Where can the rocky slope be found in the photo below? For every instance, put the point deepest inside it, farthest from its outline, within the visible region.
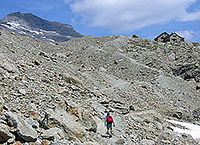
(31, 25)
(58, 93)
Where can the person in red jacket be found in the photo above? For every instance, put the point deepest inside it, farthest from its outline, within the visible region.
(108, 122)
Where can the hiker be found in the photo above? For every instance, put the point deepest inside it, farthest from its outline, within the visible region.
(108, 122)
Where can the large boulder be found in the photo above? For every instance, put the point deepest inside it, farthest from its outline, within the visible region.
(24, 129)
(73, 130)
(89, 122)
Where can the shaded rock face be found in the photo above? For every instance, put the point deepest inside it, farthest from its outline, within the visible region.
(60, 94)
(31, 25)
(189, 71)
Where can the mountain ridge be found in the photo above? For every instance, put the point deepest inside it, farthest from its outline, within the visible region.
(31, 25)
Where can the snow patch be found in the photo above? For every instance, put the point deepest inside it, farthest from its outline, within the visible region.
(21, 32)
(9, 27)
(50, 32)
(51, 40)
(32, 31)
(70, 37)
(193, 130)
(13, 24)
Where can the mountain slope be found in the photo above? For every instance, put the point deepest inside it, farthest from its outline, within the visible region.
(60, 92)
(31, 25)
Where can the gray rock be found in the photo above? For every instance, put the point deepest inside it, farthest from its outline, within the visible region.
(172, 57)
(44, 54)
(22, 91)
(196, 114)
(132, 108)
(5, 135)
(8, 66)
(198, 86)
(53, 134)
(147, 142)
(11, 141)
(24, 130)
(71, 79)
(33, 123)
(105, 101)
(89, 122)
(36, 62)
(61, 55)
(178, 115)
(3, 121)
(64, 121)
(120, 141)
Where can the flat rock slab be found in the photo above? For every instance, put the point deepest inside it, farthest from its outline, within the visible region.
(24, 130)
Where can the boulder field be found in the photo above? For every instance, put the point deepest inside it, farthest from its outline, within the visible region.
(58, 93)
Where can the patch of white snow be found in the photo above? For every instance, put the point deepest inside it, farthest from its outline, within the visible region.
(32, 31)
(13, 24)
(193, 130)
(9, 27)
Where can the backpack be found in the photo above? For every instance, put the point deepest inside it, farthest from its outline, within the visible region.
(109, 119)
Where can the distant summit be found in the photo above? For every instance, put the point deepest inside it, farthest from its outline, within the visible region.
(31, 25)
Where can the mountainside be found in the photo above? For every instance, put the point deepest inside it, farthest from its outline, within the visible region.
(31, 25)
(58, 94)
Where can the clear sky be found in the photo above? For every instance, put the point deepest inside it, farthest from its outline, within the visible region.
(145, 18)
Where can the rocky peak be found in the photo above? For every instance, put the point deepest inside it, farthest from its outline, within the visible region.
(31, 25)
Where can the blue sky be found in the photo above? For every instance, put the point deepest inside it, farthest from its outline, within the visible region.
(146, 18)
